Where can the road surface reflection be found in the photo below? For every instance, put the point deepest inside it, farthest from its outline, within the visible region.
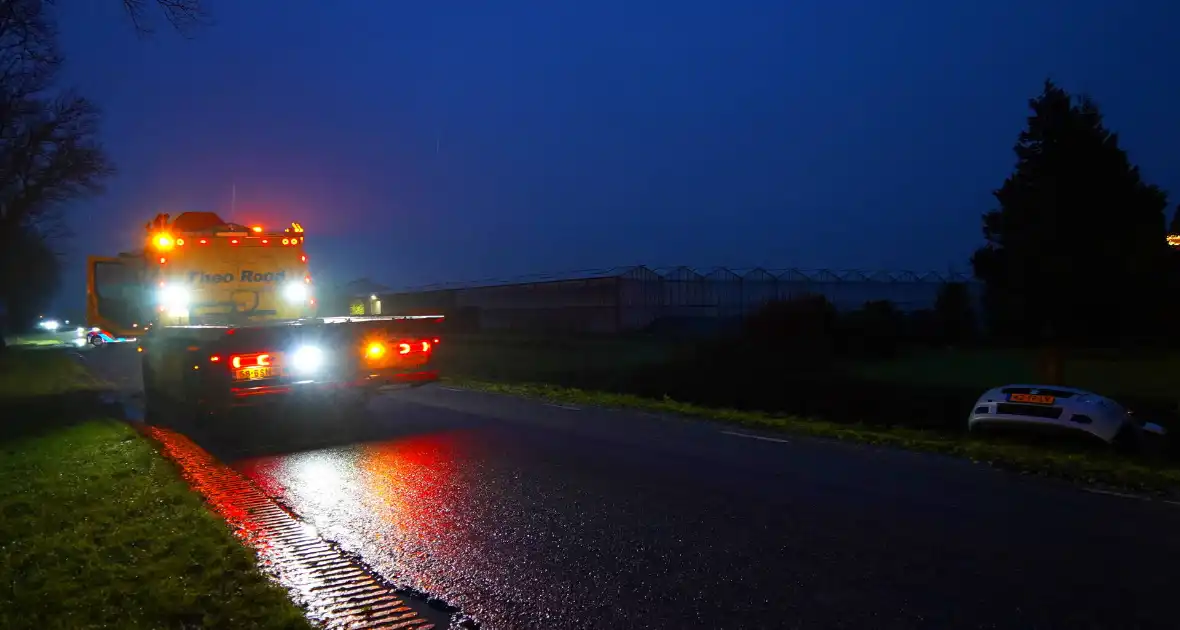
(396, 503)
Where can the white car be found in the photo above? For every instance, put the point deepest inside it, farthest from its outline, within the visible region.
(1055, 408)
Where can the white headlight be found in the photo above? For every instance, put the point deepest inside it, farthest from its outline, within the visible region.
(307, 359)
(295, 292)
(50, 325)
(174, 297)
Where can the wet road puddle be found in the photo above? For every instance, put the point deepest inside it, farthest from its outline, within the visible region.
(336, 589)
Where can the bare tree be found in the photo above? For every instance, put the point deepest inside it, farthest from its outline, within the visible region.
(49, 151)
(49, 155)
(185, 16)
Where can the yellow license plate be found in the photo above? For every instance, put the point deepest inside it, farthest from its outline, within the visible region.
(253, 373)
(1033, 399)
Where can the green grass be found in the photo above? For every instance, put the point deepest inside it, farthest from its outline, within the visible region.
(1145, 376)
(98, 530)
(1078, 464)
(32, 374)
(532, 358)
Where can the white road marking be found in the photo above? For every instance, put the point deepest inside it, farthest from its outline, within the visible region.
(452, 389)
(757, 437)
(1117, 494)
(569, 407)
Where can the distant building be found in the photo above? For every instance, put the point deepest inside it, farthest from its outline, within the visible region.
(636, 298)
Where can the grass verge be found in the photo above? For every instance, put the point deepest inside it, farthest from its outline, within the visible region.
(99, 530)
(1080, 465)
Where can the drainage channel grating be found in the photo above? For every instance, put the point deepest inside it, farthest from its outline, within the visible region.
(336, 590)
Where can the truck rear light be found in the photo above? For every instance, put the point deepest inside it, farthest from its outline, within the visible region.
(303, 258)
(375, 350)
(233, 241)
(411, 346)
(180, 241)
(215, 358)
(163, 260)
(286, 241)
(260, 359)
(203, 241)
(265, 241)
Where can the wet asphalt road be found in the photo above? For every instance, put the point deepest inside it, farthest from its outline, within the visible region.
(526, 515)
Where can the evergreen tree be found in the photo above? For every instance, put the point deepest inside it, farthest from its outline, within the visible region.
(1076, 250)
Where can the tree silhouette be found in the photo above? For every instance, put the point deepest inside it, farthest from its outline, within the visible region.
(1076, 250)
(185, 16)
(49, 152)
(955, 313)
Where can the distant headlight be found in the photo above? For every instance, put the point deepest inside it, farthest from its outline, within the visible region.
(295, 292)
(307, 359)
(50, 324)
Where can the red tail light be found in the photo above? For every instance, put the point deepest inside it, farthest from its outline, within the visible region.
(414, 346)
(260, 359)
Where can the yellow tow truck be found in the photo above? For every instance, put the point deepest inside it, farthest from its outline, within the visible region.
(225, 316)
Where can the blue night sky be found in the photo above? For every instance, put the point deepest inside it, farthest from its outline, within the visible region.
(432, 141)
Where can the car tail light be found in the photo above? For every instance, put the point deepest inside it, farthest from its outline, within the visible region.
(260, 359)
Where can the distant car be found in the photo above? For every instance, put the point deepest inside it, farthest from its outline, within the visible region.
(97, 337)
(1053, 408)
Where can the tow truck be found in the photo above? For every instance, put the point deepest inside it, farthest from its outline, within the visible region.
(225, 317)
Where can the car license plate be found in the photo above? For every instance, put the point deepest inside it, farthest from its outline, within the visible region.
(1032, 399)
(253, 373)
